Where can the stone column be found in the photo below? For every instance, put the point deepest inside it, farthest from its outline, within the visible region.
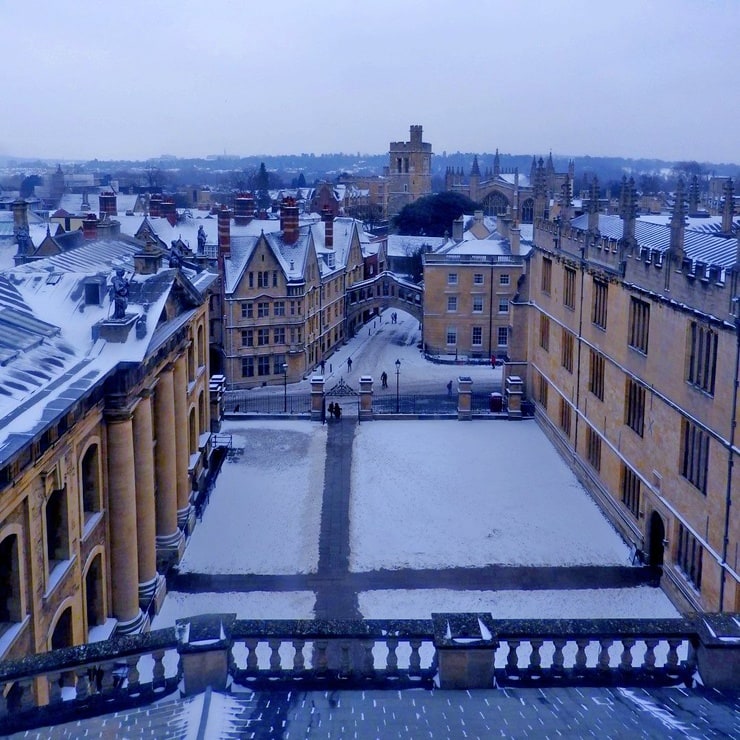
(182, 443)
(150, 582)
(170, 540)
(122, 520)
(317, 396)
(514, 390)
(366, 398)
(464, 398)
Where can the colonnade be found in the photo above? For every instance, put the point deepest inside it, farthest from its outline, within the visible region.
(148, 491)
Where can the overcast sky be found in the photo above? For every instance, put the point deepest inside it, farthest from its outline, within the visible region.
(140, 78)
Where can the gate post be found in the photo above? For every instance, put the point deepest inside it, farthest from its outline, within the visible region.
(464, 398)
(317, 397)
(366, 398)
(514, 396)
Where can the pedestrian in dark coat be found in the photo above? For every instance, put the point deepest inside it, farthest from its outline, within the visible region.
(331, 409)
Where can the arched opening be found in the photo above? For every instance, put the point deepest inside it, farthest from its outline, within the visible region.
(192, 432)
(528, 211)
(191, 362)
(201, 347)
(90, 482)
(656, 540)
(11, 608)
(57, 529)
(61, 637)
(496, 204)
(202, 413)
(94, 599)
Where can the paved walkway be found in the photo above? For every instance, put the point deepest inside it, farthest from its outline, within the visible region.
(337, 588)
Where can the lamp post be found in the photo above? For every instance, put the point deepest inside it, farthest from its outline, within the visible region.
(398, 372)
(285, 387)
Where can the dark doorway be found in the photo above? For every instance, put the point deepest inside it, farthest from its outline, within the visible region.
(656, 540)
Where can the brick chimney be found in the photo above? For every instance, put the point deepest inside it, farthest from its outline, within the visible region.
(90, 226)
(593, 207)
(108, 205)
(628, 210)
(224, 232)
(328, 220)
(728, 209)
(243, 208)
(20, 215)
(169, 211)
(289, 220)
(155, 205)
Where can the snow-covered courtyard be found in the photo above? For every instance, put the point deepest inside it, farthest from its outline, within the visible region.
(424, 495)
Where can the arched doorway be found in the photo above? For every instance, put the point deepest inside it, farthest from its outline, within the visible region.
(62, 635)
(656, 539)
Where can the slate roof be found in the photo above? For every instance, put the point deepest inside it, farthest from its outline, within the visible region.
(698, 245)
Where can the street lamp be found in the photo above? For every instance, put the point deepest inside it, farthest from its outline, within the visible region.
(285, 388)
(398, 372)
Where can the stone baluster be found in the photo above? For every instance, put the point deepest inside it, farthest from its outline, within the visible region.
(605, 643)
(415, 657)
(299, 661)
(581, 660)
(558, 659)
(132, 671)
(345, 667)
(512, 658)
(368, 660)
(158, 677)
(82, 681)
(671, 660)
(392, 660)
(252, 662)
(26, 698)
(648, 663)
(322, 661)
(55, 687)
(275, 662)
(535, 659)
(625, 660)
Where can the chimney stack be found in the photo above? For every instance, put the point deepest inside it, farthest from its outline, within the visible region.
(224, 232)
(90, 226)
(678, 224)
(155, 205)
(108, 206)
(243, 208)
(20, 215)
(628, 210)
(593, 207)
(728, 209)
(289, 220)
(169, 211)
(328, 219)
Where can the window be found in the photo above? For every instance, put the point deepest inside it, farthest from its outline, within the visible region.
(566, 351)
(278, 336)
(90, 482)
(263, 337)
(277, 364)
(451, 336)
(278, 308)
(598, 310)
(634, 406)
(542, 389)
(544, 332)
(246, 310)
(478, 278)
(274, 278)
(263, 365)
(263, 309)
(702, 357)
(57, 530)
(251, 279)
(504, 279)
(569, 287)
(451, 278)
(631, 491)
(263, 278)
(593, 449)
(694, 454)
(503, 336)
(689, 555)
(11, 604)
(596, 375)
(565, 415)
(477, 304)
(503, 305)
(546, 274)
(477, 339)
(639, 325)
(247, 338)
(292, 308)
(452, 303)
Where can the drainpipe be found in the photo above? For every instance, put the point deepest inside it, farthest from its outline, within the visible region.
(490, 313)
(578, 359)
(730, 458)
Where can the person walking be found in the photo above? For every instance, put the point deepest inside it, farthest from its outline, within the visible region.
(338, 411)
(384, 379)
(349, 364)
(331, 410)
(449, 388)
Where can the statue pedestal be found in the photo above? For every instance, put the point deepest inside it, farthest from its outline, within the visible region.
(114, 330)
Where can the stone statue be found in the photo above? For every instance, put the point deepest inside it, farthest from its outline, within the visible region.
(175, 255)
(201, 240)
(119, 294)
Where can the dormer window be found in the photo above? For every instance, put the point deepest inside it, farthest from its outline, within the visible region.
(95, 291)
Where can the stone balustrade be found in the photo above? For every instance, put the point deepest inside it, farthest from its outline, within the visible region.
(449, 650)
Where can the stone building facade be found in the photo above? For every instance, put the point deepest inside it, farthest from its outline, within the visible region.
(628, 333)
(105, 436)
(409, 170)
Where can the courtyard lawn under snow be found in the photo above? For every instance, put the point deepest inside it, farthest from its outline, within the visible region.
(265, 510)
(434, 494)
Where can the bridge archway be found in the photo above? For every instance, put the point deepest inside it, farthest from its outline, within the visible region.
(385, 290)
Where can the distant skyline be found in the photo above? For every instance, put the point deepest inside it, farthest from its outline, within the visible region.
(134, 80)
